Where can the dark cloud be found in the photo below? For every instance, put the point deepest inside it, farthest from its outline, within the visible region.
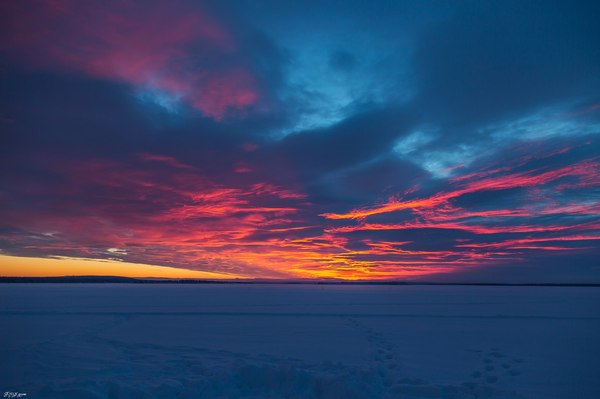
(357, 139)
(487, 61)
(342, 60)
(452, 141)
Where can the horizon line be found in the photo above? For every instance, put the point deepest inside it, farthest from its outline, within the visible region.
(74, 279)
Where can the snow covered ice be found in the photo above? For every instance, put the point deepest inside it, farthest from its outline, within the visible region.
(299, 341)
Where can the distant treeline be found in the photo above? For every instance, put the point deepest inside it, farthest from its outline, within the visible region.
(131, 280)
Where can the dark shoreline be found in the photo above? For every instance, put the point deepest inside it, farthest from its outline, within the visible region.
(130, 280)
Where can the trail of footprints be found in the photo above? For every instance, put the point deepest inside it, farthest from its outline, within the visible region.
(384, 351)
(497, 365)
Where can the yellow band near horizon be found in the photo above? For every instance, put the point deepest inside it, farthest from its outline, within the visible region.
(17, 266)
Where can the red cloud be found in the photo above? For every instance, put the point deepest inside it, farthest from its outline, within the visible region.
(158, 210)
(541, 212)
(587, 172)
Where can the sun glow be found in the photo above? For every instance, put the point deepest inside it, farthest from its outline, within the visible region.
(15, 266)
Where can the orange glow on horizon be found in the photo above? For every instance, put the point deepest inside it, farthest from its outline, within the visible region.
(16, 266)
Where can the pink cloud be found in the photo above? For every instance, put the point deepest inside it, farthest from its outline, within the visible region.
(586, 172)
(167, 46)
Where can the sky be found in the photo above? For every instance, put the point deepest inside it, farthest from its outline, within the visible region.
(360, 140)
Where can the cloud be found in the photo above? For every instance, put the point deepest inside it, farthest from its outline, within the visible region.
(155, 210)
(388, 141)
(179, 49)
(342, 60)
(487, 61)
(360, 138)
(495, 229)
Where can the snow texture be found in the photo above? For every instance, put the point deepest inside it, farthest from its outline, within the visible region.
(299, 341)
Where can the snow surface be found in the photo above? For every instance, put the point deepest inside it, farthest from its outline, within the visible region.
(299, 341)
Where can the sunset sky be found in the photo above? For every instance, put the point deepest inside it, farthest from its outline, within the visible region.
(441, 141)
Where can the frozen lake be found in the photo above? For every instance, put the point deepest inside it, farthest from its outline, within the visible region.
(299, 341)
